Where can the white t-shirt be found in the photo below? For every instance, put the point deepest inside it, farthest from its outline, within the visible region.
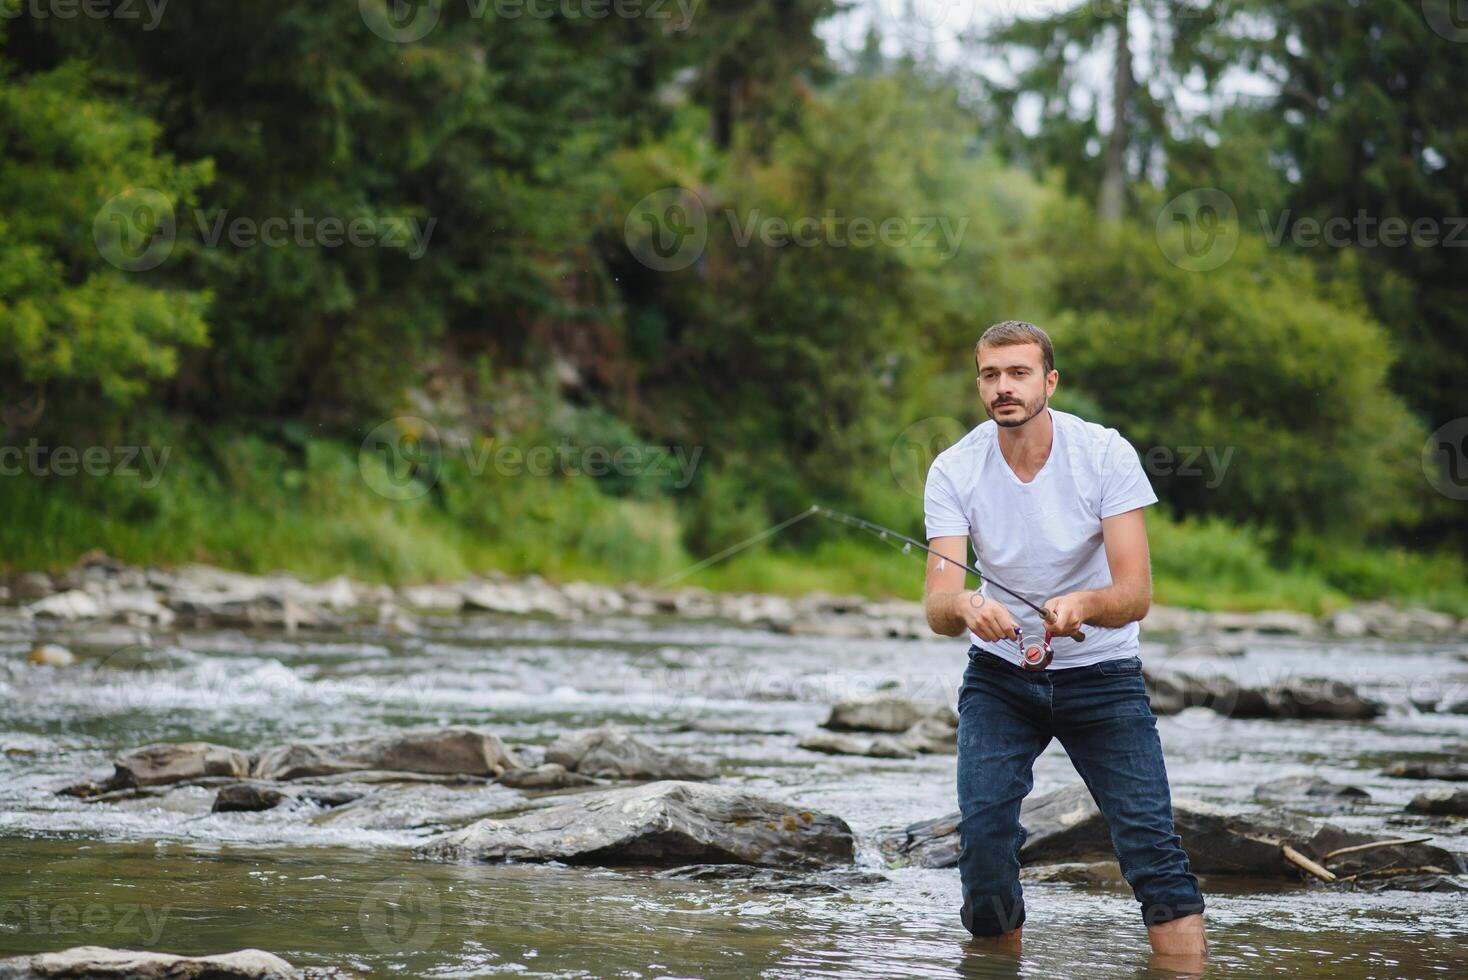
(1043, 538)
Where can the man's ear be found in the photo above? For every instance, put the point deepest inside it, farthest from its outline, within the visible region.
(1051, 382)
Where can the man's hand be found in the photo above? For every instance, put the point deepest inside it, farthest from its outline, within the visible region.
(987, 618)
(1069, 612)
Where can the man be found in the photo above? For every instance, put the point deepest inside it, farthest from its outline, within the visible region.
(1053, 506)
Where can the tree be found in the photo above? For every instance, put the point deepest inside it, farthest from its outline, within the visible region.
(87, 209)
(1053, 65)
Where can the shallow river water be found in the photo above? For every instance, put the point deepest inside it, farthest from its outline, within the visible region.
(345, 894)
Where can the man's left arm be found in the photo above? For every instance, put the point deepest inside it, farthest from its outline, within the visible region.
(1129, 595)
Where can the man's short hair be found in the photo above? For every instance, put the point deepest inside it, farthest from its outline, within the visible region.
(1012, 332)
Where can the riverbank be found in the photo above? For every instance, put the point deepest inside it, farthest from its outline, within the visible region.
(101, 600)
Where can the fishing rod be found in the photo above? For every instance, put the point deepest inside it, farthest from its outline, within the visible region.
(1036, 654)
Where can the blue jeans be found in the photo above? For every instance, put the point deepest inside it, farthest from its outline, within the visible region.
(1006, 717)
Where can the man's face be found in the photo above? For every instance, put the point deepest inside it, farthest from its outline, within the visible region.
(1013, 382)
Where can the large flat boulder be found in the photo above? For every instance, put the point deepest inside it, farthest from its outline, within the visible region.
(92, 962)
(888, 713)
(1172, 690)
(1066, 826)
(662, 823)
(447, 751)
(611, 752)
(175, 762)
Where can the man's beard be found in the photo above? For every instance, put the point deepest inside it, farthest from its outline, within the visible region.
(1012, 422)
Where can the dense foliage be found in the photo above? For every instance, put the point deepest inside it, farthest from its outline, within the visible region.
(177, 263)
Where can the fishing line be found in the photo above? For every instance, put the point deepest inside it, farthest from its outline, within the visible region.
(1035, 654)
(734, 549)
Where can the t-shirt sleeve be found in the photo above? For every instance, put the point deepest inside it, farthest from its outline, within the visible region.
(1124, 484)
(942, 513)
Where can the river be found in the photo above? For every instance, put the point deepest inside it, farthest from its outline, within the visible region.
(345, 893)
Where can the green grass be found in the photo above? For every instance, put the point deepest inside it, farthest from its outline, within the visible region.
(244, 503)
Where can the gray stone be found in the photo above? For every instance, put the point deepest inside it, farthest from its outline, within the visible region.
(1453, 772)
(435, 597)
(29, 586)
(246, 797)
(662, 823)
(174, 762)
(1440, 803)
(836, 743)
(448, 751)
(549, 775)
(1065, 826)
(1308, 788)
(1093, 874)
(1171, 691)
(611, 752)
(888, 713)
(70, 605)
(95, 962)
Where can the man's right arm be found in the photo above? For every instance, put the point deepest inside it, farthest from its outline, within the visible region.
(949, 607)
(943, 593)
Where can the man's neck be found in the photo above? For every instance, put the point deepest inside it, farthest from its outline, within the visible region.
(1027, 447)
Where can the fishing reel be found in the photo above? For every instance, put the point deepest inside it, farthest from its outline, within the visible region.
(1034, 652)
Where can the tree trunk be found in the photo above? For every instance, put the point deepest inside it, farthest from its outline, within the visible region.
(1113, 176)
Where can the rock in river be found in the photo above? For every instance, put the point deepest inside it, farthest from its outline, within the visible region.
(175, 762)
(662, 823)
(887, 714)
(1066, 826)
(930, 736)
(1441, 803)
(1453, 772)
(93, 962)
(246, 798)
(448, 751)
(1170, 691)
(610, 752)
(1309, 788)
(549, 775)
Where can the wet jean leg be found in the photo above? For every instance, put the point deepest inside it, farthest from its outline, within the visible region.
(1107, 728)
(1003, 724)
